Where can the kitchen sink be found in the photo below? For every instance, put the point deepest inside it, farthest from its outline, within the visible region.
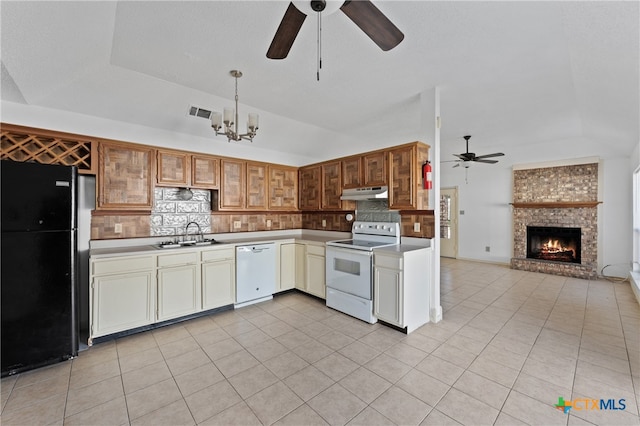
(187, 243)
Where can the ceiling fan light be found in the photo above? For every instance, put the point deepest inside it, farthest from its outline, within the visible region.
(216, 120)
(305, 7)
(228, 116)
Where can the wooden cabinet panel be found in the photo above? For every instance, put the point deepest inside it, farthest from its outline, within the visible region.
(232, 186)
(174, 168)
(375, 169)
(204, 172)
(310, 188)
(352, 172)
(387, 295)
(256, 186)
(218, 284)
(315, 271)
(283, 188)
(331, 185)
(125, 177)
(402, 182)
(178, 291)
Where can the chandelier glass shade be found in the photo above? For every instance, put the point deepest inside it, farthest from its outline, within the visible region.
(230, 119)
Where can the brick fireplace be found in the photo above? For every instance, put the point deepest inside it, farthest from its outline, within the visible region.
(559, 199)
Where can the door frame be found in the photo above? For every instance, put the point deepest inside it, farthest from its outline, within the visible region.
(453, 193)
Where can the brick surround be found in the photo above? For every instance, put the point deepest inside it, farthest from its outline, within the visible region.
(574, 183)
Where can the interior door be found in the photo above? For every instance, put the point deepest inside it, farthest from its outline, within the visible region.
(449, 222)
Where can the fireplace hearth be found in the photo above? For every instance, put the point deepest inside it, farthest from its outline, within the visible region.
(555, 244)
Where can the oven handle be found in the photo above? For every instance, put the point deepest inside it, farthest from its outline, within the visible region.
(349, 251)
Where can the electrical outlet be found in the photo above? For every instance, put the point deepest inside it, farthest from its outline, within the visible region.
(237, 224)
(268, 223)
(487, 249)
(324, 223)
(461, 211)
(416, 227)
(117, 228)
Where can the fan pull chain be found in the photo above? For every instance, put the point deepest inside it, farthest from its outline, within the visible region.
(319, 59)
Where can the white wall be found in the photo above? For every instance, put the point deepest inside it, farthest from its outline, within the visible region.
(487, 218)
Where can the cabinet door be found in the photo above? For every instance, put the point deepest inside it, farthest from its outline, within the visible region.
(232, 187)
(310, 188)
(331, 185)
(402, 183)
(291, 266)
(173, 168)
(218, 284)
(375, 169)
(122, 302)
(283, 188)
(125, 177)
(315, 271)
(178, 291)
(204, 172)
(256, 186)
(352, 172)
(387, 295)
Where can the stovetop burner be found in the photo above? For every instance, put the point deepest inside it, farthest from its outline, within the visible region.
(370, 235)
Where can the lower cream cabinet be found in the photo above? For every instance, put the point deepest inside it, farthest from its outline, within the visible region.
(292, 259)
(315, 271)
(178, 285)
(218, 278)
(401, 280)
(122, 294)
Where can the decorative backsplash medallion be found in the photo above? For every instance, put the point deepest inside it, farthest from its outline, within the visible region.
(171, 214)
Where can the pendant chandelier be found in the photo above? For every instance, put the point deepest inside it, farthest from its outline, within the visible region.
(230, 119)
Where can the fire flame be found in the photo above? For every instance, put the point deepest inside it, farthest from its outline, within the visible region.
(555, 246)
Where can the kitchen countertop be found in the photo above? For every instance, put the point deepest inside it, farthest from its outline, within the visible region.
(148, 249)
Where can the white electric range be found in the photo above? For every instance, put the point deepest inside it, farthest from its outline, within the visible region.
(349, 267)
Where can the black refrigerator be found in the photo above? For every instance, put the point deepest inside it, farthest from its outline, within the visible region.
(39, 268)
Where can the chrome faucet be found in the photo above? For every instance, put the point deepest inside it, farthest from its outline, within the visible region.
(186, 230)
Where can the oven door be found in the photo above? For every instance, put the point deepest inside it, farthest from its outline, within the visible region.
(349, 271)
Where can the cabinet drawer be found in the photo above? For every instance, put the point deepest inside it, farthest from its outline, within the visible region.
(213, 255)
(391, 262)
(122, 264)
(177, 259)
(317, 250)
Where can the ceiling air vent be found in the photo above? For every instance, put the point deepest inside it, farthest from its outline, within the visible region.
(195, 111)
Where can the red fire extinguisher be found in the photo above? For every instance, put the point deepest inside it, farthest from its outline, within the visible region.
(426, 175)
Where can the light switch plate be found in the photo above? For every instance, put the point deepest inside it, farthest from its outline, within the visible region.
(324, 223)
(237, 224)
(416, 227)
(268, 223)
(117, 228)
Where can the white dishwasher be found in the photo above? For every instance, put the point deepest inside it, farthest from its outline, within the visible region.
(255, 273)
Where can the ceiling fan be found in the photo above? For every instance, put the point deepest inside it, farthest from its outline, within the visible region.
(470, 156)
(362, 12)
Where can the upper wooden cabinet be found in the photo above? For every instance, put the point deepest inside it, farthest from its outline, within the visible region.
(405, 178)
(174, 168)
(375, 168)
(125, 177)
(331, 185)
(205, 171)
(181, 169)
(309, 178)
(256, 186)
(232, 184)
(352, 172)
(283, 187)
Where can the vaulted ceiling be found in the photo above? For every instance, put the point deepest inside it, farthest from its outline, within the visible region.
(511, 73)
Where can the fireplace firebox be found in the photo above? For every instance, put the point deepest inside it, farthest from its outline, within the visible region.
(554, 243)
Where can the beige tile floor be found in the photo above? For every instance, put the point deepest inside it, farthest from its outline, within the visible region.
(510, 344)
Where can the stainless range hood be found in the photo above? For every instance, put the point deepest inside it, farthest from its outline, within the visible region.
(368, 193)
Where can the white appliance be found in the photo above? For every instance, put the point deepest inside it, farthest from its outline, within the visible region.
(255, 273)
(349, 268)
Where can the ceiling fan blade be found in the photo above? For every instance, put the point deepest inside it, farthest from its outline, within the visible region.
(286, 33)
(457, 165)
(485, 161)
(369, 19)
(495, 154)
(463, 157)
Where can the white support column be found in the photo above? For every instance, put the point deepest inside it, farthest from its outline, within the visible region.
(430, 128)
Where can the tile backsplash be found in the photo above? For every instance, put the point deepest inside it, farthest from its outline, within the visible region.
(376, 211)
(171, 214)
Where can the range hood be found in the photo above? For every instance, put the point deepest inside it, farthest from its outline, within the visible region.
(368, 193)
